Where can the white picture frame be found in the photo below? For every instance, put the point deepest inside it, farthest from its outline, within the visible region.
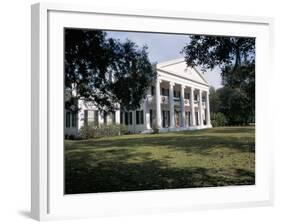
(48, 201)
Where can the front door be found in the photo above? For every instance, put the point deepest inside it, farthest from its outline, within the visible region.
(187, 118)
(197, 118)
(177, 119)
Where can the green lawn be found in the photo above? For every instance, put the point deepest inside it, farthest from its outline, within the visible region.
(203, 158)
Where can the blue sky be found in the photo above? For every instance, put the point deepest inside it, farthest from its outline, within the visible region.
(163, 47)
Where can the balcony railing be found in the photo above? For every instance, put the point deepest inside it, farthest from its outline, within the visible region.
(177, 101)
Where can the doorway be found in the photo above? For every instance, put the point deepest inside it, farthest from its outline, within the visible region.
(177, 119)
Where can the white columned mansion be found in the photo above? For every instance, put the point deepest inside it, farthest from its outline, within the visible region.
(178, 100)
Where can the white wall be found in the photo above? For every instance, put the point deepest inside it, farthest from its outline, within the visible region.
(15, 112)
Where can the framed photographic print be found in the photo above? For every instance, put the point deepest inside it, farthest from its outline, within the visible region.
(148, 111)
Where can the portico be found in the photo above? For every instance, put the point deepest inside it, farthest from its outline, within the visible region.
(187, 106)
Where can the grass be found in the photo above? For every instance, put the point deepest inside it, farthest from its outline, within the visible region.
(204, 158)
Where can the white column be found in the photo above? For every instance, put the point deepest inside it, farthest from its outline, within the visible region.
(200, 108)
(192, 111)
(158, 103)
(134, 119)
(172, 105)
(117, 116)
(100, 121)
(182, 107)
(146, 115)
(208, 116)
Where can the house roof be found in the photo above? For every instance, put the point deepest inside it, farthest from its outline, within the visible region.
(178, 67)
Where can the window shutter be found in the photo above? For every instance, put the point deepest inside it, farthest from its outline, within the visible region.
(73, 116)
(141, 117)
(126, 118)
(131, 118)
(137, 117)
(67, 120)
(85, 117)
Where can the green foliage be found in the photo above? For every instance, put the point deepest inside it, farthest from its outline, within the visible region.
(91, 131)
(211, 51)
(155, 130)
(235, 105)
(218, 119)
(214, 100)
(105, 71)
(240, 85)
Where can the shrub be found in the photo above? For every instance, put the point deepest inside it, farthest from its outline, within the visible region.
(218, 119)
(155, 130)
(103, 131)
(72, 137)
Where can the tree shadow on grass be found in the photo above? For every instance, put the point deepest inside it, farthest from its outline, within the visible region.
(232, 130)
(87, 174)
(220, 130)
(121, 164)
(190, 144)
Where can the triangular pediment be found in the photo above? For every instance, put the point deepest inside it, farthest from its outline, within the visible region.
(178, 67)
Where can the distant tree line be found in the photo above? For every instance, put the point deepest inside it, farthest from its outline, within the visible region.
(231, 106)
(234, 103)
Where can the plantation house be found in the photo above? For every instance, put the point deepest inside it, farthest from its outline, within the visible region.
(178, 100)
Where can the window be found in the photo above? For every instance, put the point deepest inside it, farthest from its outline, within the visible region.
(205, 117)
(203, 98)
(74, 119)
(67, 120)
(187, 118)
(113, 117)
(177, 94)
(165, 119)
(121, 118)
(96, 117)
(85, 117)
(126, 118)
(165, 92)
(150, 117)
(90, 118)
(105, 118)
(139, 117)
(186, 95)
(131, 118)
(168, 113)
(197, 118)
